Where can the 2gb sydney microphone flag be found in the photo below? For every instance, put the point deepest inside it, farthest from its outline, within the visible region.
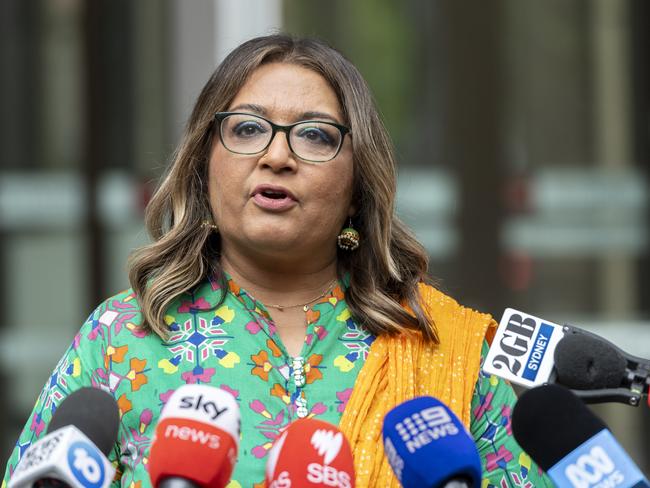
(196, 439)
(531, 351)
(428, 446)
(522, 349)
(310, 453)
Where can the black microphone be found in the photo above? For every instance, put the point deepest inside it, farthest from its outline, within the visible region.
(94, 412)
(570, 443)
(598, 371)
(74, 452)
(531, 351)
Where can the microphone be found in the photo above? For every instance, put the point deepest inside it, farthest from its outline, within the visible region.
(196, 440)
(428, 446)
(570, 443)
(598, 371)
(531, 351)
(74, 452)
(310, 453)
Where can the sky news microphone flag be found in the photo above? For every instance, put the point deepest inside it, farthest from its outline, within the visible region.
(74, 452)
(428, 446)
(570, 443)
(531, 351)
(196, 440)
(310, 453)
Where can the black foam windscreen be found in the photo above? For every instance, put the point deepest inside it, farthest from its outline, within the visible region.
(583, 362)
(549, 422)
(94, 412)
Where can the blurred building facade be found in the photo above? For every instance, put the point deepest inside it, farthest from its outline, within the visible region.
(522, 130)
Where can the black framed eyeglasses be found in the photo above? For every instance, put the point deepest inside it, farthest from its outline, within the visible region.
(315, 141)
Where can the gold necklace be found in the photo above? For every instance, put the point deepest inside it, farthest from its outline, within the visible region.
(304, 305)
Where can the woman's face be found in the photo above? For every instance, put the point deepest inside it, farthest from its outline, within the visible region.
(272, 202)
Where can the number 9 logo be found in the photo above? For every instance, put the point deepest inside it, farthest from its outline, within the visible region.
(86, 464)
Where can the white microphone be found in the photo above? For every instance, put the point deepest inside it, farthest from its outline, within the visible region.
(69, 455)
(65, 455)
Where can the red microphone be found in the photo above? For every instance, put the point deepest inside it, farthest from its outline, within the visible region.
(196, 439)
(310, 453)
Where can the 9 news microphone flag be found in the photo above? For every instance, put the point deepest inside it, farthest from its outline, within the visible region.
(570, 443)
(428, 446)
(74, 452)
(196, 439)
(310, 453)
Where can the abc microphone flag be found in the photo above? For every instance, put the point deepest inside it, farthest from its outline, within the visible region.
(196, 439)
(310, 453)
(570, 443)
(81, 434)
(428, 446)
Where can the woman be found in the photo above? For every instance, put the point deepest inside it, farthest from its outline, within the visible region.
(251, 284)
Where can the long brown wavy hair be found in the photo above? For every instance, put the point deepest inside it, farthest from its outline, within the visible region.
(386, 268)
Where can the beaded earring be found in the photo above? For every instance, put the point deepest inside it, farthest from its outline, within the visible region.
(349, 238)
(210, 225)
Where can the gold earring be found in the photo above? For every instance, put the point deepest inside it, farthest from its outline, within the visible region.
(207, 223)
(349, 238)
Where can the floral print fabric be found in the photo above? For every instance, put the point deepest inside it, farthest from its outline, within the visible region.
(234, 346)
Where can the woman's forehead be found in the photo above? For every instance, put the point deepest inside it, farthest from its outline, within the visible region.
(287, 92)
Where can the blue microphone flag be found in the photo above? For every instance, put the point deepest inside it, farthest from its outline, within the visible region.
(598, 462)
(427, 445)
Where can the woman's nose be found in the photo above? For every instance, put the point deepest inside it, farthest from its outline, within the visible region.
(278, 155)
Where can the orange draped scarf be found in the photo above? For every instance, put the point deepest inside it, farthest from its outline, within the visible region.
(400, 368)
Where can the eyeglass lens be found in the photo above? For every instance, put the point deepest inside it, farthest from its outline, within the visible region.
(312, 141)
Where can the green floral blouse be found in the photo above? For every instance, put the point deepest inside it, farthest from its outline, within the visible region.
(234, 346)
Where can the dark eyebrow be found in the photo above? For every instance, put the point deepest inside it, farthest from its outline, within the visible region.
(317, 116)
(249, 107)
(258, 109)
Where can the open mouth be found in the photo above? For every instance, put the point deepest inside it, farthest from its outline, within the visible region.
(274, 198)
(273, 194)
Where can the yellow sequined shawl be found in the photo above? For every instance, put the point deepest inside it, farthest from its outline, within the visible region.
(400, 368)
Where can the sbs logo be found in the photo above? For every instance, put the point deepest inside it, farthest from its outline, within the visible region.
(328, 445)
(595, 469)
(86, 464)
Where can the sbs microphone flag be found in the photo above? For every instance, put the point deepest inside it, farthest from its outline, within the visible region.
(570, 443)
(310, 453)
(81, 434)
(196, 439)
(428, 446)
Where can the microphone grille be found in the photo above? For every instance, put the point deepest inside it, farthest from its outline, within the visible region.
(583, 362)
(549, 422)
(94, 412)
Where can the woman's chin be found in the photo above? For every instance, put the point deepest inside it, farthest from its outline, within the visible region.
(270, 241)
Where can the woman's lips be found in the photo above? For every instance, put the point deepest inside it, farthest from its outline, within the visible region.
(274, 198)
(275, 204)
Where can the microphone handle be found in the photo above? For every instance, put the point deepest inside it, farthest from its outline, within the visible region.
(50, 483)
(176, 482)
(457, 483)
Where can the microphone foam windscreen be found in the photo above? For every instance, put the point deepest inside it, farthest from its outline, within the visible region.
(310, 453)
(427, 445)
(549, 422)
(197, 437)
(94, 412)
(583, 362)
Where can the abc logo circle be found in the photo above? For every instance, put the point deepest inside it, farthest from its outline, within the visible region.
(86, 464)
